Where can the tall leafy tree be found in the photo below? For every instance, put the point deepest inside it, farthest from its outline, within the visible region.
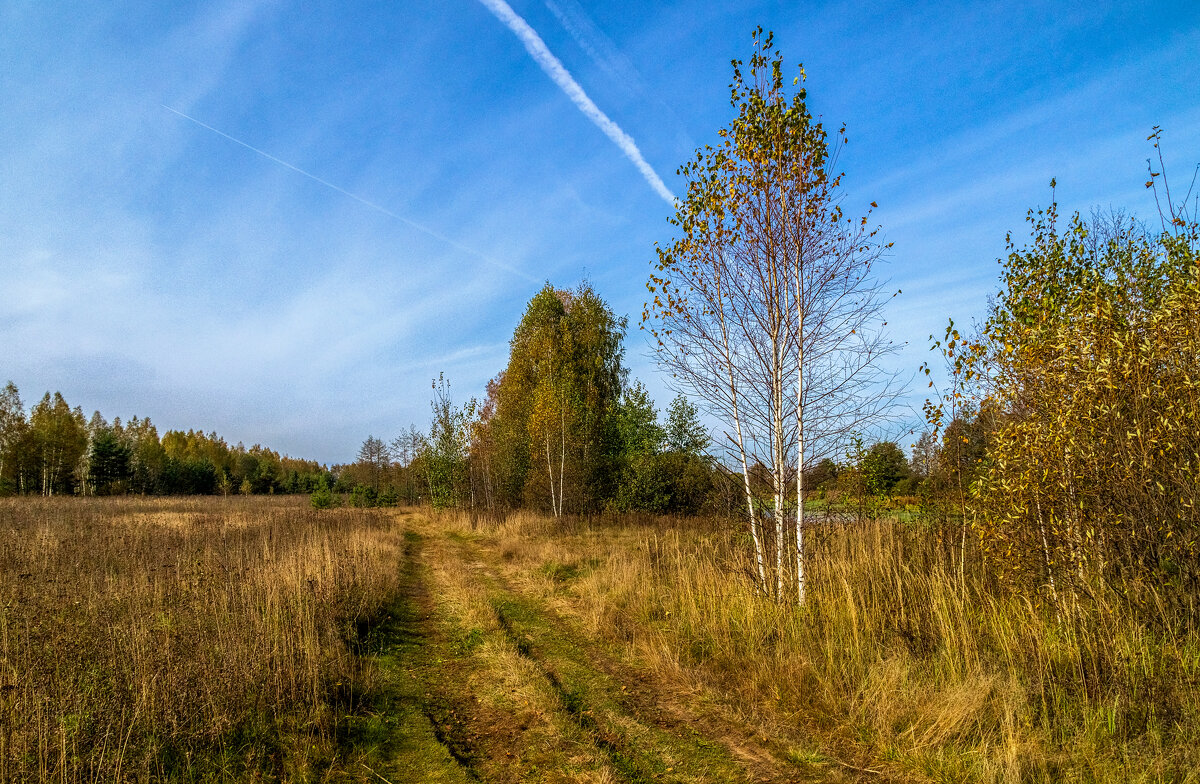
(445, 453)
(766, 305)
(148, 455)
(59, 440)
(12, 429)
(550, 430)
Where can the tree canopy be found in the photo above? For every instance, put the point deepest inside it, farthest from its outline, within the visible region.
(551, 432)
(765, 304)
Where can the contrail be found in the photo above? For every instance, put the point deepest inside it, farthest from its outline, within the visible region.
(554, 69)
(594, 43)
(365, 202)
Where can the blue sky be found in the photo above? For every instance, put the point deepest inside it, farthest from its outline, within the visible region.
(418, 176)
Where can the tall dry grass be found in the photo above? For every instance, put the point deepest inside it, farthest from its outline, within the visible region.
(894, 660)
(183, 639)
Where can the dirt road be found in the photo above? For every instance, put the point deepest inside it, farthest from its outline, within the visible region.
(480, 681)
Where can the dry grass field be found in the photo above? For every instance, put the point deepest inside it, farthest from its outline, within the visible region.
(256, 639)
(894, 666)
(182, 639)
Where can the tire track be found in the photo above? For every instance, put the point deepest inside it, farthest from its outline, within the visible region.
(510, 691)
(641, 724)
(410, 702)
(615, 748)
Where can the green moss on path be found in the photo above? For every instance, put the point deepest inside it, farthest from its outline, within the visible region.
(401, 726)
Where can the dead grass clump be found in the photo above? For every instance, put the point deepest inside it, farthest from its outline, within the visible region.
(181, 639)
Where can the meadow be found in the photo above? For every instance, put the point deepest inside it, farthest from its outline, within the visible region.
(898, 665)
(257, 639)
(182, 639)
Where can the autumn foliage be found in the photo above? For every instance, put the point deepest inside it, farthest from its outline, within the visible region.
(1089, 366)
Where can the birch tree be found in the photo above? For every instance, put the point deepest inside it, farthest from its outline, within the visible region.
(446, 449)
(1091, 360)
(766, 306)
(12, 426)
(549, 431)
(60, 441)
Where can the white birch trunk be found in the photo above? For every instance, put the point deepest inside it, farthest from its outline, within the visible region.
(800, 449)
(1046, 552)
(779, 460)
(562, 466)
(550, 471)
(741, 445)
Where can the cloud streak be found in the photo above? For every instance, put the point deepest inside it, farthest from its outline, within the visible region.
(560, 76)
(365, 202)
(595, 44)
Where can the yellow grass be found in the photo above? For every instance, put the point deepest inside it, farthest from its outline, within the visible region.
(214, 639)
(185, 639)
(893, 663)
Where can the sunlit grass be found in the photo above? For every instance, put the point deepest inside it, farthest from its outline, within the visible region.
(893, 661)
(183, 639)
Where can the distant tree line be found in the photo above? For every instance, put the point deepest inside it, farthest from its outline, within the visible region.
(54, 449)
(563, 430)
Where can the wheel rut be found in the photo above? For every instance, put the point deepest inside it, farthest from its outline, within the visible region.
(407, 727)
(480, 681)
(646, 733)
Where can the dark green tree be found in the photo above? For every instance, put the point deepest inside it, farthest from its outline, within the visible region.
(636, 422)
(109, 469)
(883, 466)
(322, 497)
(550, 436)
(642, 483)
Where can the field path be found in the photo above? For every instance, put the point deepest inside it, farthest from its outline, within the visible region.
(481, 681)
